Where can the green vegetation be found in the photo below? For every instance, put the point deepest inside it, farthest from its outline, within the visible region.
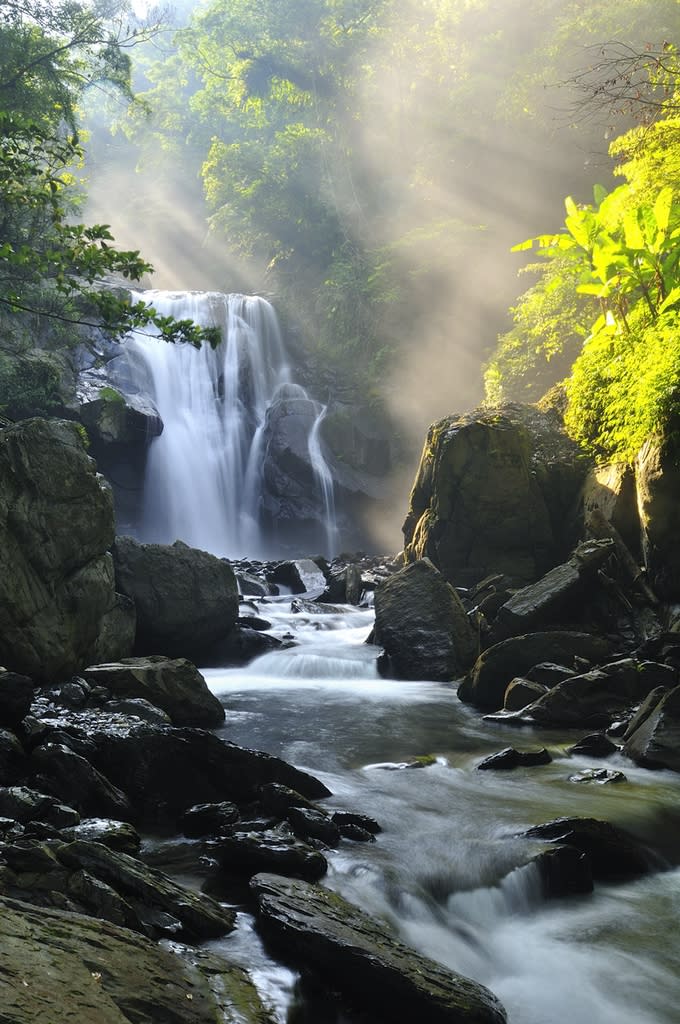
(52, 268)
(607, 305)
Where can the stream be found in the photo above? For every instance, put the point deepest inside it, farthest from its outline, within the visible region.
(443, 873)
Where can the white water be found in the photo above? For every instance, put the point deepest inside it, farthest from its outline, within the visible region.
(444, 872)
(204, 472)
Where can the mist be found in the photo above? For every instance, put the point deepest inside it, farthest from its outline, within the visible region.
(448, 195)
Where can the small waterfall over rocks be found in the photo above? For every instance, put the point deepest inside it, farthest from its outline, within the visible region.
(238, 469)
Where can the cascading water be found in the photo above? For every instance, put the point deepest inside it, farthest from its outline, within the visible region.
(204, 474)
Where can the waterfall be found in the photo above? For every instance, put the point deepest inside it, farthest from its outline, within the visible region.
(324, 480)
(205, 473)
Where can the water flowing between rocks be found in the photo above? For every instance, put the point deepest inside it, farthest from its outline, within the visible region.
(444, 871)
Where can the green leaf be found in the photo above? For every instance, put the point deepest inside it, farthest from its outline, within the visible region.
(662, 208)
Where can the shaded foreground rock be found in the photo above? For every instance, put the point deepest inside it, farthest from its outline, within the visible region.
(422, 625)
(61, 967)
(360, 958)
(612, 852)
(174, 685)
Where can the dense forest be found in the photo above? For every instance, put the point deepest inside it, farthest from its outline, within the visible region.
(370, 165)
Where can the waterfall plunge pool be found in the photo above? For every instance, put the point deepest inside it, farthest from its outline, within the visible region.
(442, 873)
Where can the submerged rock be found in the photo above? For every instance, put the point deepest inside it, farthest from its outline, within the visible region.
(320, 930)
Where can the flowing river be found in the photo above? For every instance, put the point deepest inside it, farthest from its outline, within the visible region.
(443, 873)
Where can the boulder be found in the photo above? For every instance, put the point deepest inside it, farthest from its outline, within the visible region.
(275, 849)
(486, 683)
(600, 776)
(596, 744)
(62, 967)
(613, 853)
(72, 778)
(302, 575)
(359, 957)
(655, 740)
(611, 490)
(594, 698)
(208, 819)
(493, 494)
(56, 525)
(552, 595)
(422, 625)
(174, 685)
(186, 600)
(521, 692)
(110, 417)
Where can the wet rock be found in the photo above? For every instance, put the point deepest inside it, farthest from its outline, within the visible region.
(359, 957)
(99, 972)
(422, 625)
(200, 916)
(564, 871)
(612, 852)
(495, 668)
(241, 646)
(139, 708)
(301, 575)
(277, 799)
(253, 622)
(594, 745)
(208, 819)
(510, 758)
(111, 417)
(520, 693)
(74, 694)
(538, 603)
(117, 835)
(347, 819)
(74, 780)
(186, 600)
(657, 478)
(601, 776)
(253, 586)
(269, 850)
(19, 803)
(655, 741)
(164, 771)
(313, 824)
(174, 685)
(16, 697)
(592, 699)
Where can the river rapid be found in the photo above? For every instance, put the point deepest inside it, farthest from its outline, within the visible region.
(444, 871)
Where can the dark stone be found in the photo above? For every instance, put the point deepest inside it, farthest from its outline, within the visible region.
(655, 742)
(547, 673)
(422, 625)
(269, 850)
(73, 779)
(489, 677)
(200, 916)
(174, 685)
(313, 824)
(565, 871)
(16, 697)
(277, 799)
(511, 758)
(612, 852)
(12, 758)
(594, 745)
(318, 929)
(22, 804)
(186, 600)
(347, 819)
(240, 646)
(117, 835)
(601, 776)
(520, 693)
(539, 603)
(208, 819)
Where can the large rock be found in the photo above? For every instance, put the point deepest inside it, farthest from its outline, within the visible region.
(496, 667)
(61, 967)
(496, 492)
(422, 625)
(359, 957)
(56, 525)
(657, 475)
(593, 699)
(655, 742)
(611, 490)
(535, 605)
(611, 851)
(186, 600)
(175, 685)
